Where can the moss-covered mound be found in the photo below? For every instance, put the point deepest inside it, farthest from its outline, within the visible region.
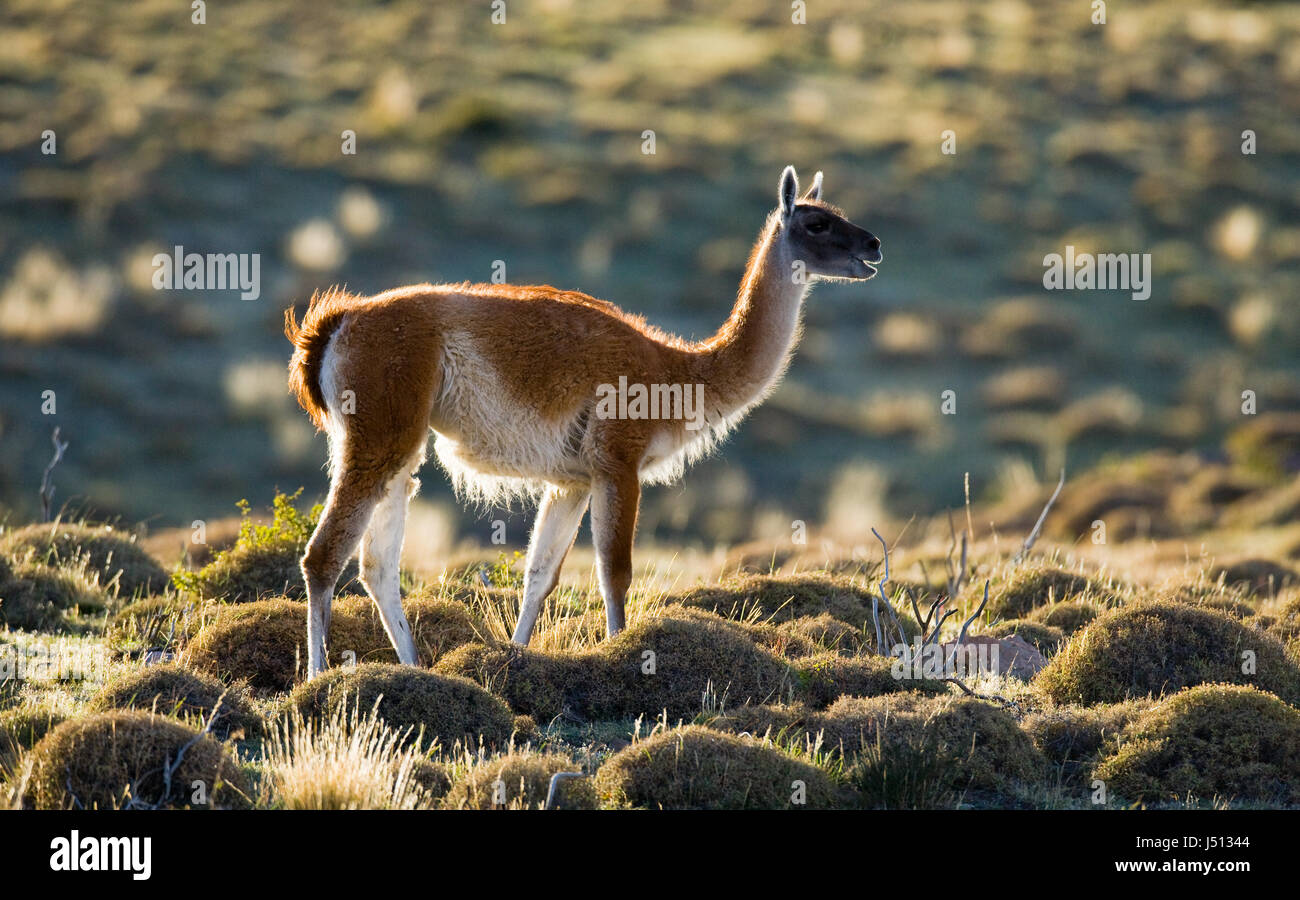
(981, 744)
(1069, 616)
(699, 768)
(131, 758)
(1076, 737)
(437, 626)
(20, 730)
(783, 598)
(534, 683)
(1228, 742)
(655, 665)
(38, 597)
(1029, 588)
(683, 665)
(822, 679)
(444, 708)
(521, 780)
(669, 664)
(265, 643)
(1045, 638)
(181, 693)
(432, 776)
(1161, 646)
(111, 554)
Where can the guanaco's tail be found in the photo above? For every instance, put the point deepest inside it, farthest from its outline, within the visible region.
(324, 313)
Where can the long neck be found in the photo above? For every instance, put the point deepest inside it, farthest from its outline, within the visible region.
(747, 356)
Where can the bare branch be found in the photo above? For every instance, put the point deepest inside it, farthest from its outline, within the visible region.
(1033, 535)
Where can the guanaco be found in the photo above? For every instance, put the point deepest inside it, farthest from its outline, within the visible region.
(514, 383)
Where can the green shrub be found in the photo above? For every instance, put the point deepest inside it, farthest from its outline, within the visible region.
(265, 560)
(178, 692)
(1210, 741)
(521, 780)
(699, 768)
(1161, 646)
(444, 708)
(122, 758)
(109, 554)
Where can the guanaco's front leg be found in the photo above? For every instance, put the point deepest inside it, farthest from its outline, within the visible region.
(614, 501)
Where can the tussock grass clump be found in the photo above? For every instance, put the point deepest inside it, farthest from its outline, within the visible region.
(699, 768)
(20, 730)
(265, 643)
(1212, 741)
(520, 779)
(441, 708)
(654, 665)
(39, 597)
(1045, 638)
(178, 692)
(152, 623)
(112, 555)
(264, 560)
(1076, 737)
(981, 744)
(347, 760)
(1159, 647)
(1069, 616)
(129, 758)
(783, 598)
(1029, 588)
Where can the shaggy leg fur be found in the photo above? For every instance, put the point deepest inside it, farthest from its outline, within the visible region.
(381, 553)
(553, 534)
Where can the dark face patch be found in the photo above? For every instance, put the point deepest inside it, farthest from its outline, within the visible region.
(830, 245)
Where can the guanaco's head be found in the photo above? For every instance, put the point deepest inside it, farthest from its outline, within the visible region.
(829, 245)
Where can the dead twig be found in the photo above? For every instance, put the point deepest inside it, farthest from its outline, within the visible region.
(47, 485)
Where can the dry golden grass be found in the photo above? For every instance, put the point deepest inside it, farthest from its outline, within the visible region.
(350, 760)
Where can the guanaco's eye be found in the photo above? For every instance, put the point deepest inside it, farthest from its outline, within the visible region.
(817, 226)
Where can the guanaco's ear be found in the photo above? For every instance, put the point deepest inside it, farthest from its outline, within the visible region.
(789, 193)
(815, 192)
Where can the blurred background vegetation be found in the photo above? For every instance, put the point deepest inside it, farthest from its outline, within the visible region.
(523, 142)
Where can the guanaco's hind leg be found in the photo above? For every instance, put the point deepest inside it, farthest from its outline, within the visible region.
(556, 526)
(381, 552)
(614, 501)
(352, 498)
